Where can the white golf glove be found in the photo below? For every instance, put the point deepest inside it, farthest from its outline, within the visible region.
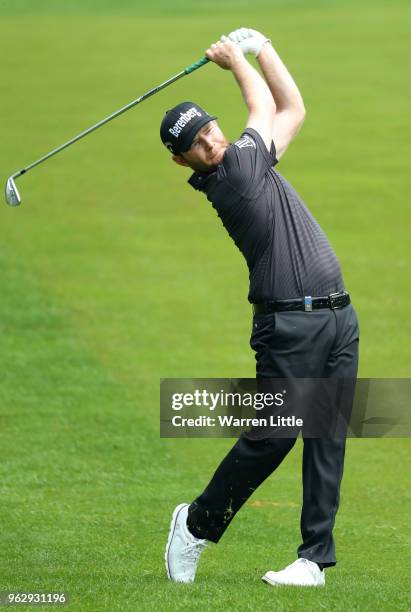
(249, 41)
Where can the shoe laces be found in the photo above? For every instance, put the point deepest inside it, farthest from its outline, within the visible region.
(193, 550)
(307, 562)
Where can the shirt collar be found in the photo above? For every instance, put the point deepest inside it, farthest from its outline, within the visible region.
(198, 180)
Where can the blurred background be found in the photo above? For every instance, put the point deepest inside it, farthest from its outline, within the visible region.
(115, 273)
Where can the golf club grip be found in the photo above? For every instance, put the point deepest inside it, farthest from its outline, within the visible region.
(201, 62)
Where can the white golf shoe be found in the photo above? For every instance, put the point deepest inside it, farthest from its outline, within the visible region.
(300, 573)
(183, 550)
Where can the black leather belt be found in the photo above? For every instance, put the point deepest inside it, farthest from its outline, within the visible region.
(306, 303)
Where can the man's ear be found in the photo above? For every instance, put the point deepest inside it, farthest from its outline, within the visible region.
(179, 159)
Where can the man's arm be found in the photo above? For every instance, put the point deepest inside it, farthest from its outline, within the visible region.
(290, 111)
(257, 96)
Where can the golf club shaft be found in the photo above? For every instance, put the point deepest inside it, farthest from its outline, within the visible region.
(188, 70)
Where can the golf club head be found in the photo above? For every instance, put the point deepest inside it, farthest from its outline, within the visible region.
(12, 194)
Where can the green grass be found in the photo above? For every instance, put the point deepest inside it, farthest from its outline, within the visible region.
(114, 274)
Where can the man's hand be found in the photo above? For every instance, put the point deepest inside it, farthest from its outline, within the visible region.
(224, 53)
(248, 40)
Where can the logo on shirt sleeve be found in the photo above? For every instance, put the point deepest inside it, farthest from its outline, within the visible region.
(245, 141)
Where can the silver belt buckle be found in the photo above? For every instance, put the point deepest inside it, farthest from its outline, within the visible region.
(308, 303)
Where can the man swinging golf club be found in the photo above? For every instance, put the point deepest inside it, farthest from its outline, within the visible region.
(303, 324)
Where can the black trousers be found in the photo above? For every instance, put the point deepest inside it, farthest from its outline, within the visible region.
(318, 344)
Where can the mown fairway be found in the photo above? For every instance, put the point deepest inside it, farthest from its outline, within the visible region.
(114, 273)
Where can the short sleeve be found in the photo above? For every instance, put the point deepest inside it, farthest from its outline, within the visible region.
(246, 162)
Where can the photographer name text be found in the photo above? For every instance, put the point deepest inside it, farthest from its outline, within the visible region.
(231, 421)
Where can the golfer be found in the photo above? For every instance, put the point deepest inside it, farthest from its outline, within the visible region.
(304, 325)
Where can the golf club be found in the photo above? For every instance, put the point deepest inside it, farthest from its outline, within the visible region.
(12, 195)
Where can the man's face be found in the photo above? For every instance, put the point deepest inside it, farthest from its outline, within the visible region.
(207, 149)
